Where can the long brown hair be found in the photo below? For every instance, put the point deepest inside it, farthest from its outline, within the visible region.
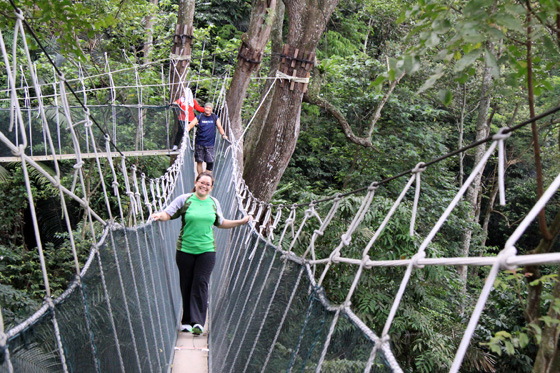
(205, 173)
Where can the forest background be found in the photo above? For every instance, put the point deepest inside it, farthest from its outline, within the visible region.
(394, 83)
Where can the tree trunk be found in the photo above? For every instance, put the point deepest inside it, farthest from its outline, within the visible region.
(548, 356)
(149, 34)
(307, 21)
(254, 131)
(181, 49)
(482, 131)
(253, 43)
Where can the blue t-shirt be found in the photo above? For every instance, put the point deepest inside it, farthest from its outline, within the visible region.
(206, 129)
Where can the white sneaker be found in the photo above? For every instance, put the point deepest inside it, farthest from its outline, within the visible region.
(174, 148)
(186, 328)
(197, 329)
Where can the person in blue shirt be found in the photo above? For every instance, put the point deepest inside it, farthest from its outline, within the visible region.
(206, 123)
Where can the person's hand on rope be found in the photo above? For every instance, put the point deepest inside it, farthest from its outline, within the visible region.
(162, 216)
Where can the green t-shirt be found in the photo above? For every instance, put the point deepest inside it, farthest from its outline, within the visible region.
(197, 218)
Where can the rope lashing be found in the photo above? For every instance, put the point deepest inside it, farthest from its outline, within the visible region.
(297, 79)
(500, 137)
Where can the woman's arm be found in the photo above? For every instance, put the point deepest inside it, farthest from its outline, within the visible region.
(162, 216)
(228, 224)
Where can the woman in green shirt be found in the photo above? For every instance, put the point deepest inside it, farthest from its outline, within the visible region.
(196, 248)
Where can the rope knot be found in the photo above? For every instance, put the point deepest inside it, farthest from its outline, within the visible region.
(20, 150)
(78, 165)
(338, 197)
(373, 186)
(365, 259)
(318, 232)
(501, 135)
(49, 301)
(346, 238)
(88, 123)
(308, 213)
(115, 184)
(335, 256)
(19, 14)
(107, 137)
(504, 255)
(417, 258)
(385, 339)
(56, 182)
(421, 166)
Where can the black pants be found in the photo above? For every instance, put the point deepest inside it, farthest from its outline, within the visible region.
(194, 276)
(179, 134)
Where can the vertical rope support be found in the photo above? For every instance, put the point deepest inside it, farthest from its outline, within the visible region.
(479, 167)
(113, 97)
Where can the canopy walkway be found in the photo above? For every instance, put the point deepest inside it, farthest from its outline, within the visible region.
(269, 310)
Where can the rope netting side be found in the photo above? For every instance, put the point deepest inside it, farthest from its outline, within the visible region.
(249, 295)
(121, 310)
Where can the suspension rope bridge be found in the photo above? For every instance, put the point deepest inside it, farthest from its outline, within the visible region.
(269, 308)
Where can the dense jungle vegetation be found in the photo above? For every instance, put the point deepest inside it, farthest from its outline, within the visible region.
(456, 72)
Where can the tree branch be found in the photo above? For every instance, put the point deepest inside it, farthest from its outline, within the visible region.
(382, 103)
(340, 119)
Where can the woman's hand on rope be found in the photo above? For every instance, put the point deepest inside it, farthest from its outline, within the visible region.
(162, 216)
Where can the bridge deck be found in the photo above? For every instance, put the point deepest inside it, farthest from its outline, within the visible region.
(138, 153)
(191, 353)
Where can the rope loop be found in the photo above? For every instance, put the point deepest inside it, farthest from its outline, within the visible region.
(346, 239)
(421, 166)
(107, 137)
(19, 152)
(318, 232)
(504, 255)
(365, 260)
(373, 186)
(501, 135)
(417, 257)
(49, 301)
(19, 14)
(335, 256)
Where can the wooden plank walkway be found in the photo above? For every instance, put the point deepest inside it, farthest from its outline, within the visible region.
(191, 353)
(139, 153)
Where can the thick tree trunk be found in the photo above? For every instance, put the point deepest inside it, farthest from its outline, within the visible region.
(307, 21)
(248, 61)
(182, 46)
(254, 131)
(482, 131)
(548, 356)
(149, 34)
